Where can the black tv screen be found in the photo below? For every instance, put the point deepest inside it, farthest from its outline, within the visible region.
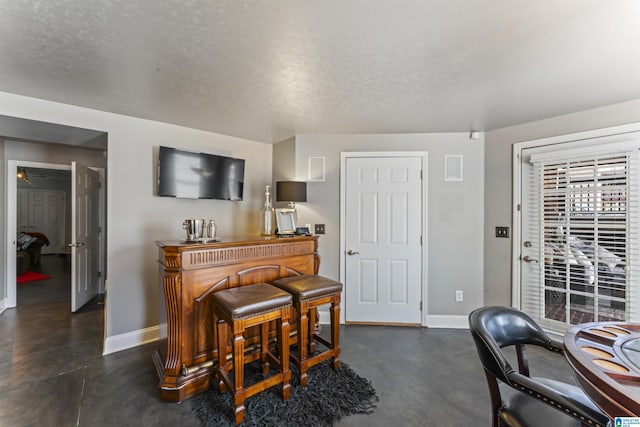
(192, 175)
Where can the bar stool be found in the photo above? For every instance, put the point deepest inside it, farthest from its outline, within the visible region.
(241, 308)
(309, 292)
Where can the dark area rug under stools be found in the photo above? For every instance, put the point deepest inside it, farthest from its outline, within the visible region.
(329, 396)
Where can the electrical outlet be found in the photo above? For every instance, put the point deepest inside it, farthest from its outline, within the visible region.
(459, 296)
(319, 229)
(502, 232)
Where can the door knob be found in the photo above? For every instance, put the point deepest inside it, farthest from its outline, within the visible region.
(351, 252)
(527, 258)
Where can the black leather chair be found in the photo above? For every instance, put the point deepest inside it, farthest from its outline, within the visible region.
(516, 398)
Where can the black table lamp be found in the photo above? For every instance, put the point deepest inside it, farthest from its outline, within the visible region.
(291, 192)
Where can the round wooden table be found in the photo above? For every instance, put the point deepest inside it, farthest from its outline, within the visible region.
(606, 359)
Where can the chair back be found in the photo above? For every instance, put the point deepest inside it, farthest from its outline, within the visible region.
(494, 328)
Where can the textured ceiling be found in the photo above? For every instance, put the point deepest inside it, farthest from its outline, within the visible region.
(267, 70)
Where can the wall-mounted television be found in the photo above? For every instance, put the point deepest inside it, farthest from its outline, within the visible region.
(191, 175)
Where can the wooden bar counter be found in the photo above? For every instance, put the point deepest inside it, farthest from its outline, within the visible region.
(189, 274)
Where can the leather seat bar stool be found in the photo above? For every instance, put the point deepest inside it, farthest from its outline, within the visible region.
(238, 309)
(309, 292)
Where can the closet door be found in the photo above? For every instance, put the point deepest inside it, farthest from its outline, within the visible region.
(22, 210)
(383, 267)
(52, 205)
(43, 211)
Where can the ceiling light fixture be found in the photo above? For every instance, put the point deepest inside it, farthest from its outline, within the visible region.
(474, 135)
(22, 174)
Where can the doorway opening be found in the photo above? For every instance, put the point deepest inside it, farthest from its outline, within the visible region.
(49, 218)
(43, 263)
(44, 149)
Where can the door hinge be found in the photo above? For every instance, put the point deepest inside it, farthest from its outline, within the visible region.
(420, 305)
(420, 240)
(99, 273)
(518, 207)
(421, 174)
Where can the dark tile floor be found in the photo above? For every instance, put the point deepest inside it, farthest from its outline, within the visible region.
(52, 372)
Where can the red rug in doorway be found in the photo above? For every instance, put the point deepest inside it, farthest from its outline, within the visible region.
(30, 276)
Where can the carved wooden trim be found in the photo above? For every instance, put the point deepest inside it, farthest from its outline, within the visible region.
(218, 256)
(204, 310)
(245, 271)
(316, 263)
(291, 272)
(172, 285)
(172, 260)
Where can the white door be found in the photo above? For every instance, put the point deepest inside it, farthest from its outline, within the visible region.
(22, 210)
(47, 215)
(43, 211)
(85, 188)
(38, 210)
(532, 242)
(383, 223)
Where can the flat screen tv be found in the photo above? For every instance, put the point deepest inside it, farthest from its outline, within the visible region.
(190, 175)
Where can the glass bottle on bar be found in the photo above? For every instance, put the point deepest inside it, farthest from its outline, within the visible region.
(267, 214)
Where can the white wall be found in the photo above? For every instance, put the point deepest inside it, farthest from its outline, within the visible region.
(498, 191)
(457, 211)
(284, 163)
(455, 230)
(136, 218)
(3, 287)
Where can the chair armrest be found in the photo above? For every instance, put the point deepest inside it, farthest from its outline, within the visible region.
(556, 346)
(564, 397)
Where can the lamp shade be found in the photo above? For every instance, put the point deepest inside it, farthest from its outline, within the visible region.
(291, 191)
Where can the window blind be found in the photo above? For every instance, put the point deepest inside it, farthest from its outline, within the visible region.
(583, 221)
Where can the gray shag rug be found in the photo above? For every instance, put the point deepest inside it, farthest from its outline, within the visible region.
(329, 396)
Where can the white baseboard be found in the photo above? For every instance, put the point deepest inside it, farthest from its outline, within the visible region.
(3, 305)
(444, 322)
(449, 322)
(163, 330)
(144, 336)
(131, 339)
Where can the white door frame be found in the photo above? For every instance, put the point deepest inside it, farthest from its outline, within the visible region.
(11, 227)
(11, 219)
(425, 240)
(516, 241)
